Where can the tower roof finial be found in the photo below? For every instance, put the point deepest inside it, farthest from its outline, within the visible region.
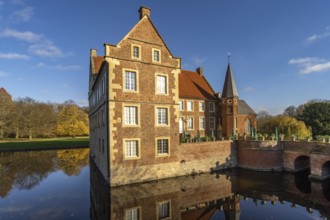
(228, 57)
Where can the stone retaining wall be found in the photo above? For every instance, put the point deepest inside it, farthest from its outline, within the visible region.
(192, 158)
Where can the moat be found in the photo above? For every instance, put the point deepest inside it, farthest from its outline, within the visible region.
(64, 185)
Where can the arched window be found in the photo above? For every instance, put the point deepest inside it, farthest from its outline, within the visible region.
(247, 126)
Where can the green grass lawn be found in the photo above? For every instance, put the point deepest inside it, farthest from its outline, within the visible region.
(43, 143)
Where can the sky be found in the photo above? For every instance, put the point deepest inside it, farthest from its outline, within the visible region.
(280, 50)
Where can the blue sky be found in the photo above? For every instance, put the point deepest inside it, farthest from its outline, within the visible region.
(280, 50)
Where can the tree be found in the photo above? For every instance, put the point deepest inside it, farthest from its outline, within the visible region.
(71, 121)
(291, 111)
(5, 109)
(27, 116)
(316, 114)
(286, 125)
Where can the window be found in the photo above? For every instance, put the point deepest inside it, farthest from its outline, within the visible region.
(190, 122)
(212, 122)
(133, 214)
(181, 108)
(102, 145)
(202, 123)
(181, 124)
(162, 118)
(201, 106)
(190, 106)
(162, 147)
(130, 117)
(136, 51)
(130, 81)
(211, 105)
(161, 85)
(235, 123)
(131, 149)
(248, 126)
(164, 210)
(155, 55)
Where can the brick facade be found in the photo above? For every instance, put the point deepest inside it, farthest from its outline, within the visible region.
(135, 93)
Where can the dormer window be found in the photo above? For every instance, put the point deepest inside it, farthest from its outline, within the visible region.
(156, 55)
(136, 51)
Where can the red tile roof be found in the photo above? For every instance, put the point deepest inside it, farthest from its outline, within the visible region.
(97, 64)
(194, 86)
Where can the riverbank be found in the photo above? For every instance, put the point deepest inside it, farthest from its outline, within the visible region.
(43, 144)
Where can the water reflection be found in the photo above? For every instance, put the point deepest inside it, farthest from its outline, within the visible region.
(25, 170)
(235, 194)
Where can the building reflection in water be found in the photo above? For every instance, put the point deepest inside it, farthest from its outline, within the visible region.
(206, 196)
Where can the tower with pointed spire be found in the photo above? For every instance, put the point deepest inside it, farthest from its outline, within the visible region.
(229, 104)
(237, 117)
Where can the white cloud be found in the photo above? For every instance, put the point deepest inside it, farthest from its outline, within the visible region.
(306, 60)
(17, 2)
(23, 15)
(3, 74)
(310, 65)
(197, 61)
(13, 56)
(59, 67)
(249, 89)
(83, 103)
(316, 68)
(25, 36)
(316, 37)
(46, 49)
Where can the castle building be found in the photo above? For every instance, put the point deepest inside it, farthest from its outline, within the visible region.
(142, 103)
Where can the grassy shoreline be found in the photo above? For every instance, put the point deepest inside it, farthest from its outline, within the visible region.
(43, 144)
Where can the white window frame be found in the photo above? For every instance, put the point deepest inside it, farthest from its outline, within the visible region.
(153, 55)
(160, 120)
(161, 211)
(131, 115)
(133, 46)
(212, 109)
(210, 122)
(129, 89)
(162, 89)
(201, 126)
(181, 105)
(131, 154)
(201, 106)
(192, 106)
(161, 140)
(192, 123)
(133, 213)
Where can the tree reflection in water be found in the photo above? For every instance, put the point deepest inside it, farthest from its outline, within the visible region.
(25, 170)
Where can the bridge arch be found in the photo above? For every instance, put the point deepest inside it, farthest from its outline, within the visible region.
(326, 170)
(302, 163)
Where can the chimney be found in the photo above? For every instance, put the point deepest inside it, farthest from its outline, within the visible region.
(93, 52)
(144, 10)
(200, 71)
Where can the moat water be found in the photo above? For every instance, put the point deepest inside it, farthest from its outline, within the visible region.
(65, 185)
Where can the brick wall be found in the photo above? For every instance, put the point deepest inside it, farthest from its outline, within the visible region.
(190, 158)
(196, 114)
(257, 155)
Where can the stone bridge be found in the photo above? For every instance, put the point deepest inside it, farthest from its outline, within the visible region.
(291, 156)
(313, 156)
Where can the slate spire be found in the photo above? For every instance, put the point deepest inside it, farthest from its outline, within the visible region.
(229, 88)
